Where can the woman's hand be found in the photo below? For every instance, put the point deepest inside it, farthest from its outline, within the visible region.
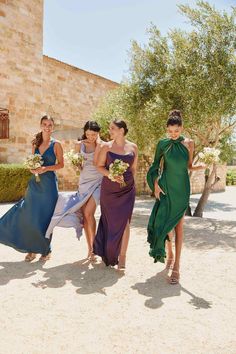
(119, 179)
(39, 171)
(98, 140)
(157, 190)
(197, 167)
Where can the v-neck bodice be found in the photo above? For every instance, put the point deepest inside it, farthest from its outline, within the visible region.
(49, 157)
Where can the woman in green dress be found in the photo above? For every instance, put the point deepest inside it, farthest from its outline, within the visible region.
(169, 180)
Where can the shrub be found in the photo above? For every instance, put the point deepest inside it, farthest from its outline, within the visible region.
(13, 182)
(231, 177)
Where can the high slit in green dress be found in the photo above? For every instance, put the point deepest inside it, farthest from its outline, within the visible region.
(174, 181)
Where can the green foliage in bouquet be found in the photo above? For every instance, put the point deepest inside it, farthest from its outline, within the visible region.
(13, 182)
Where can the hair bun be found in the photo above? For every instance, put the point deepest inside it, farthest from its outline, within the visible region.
(121, 124)
(175, 113)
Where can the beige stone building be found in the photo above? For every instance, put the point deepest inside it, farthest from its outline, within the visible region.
(32, 84)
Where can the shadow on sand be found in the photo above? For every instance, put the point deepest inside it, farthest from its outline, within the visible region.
(87, 277)
(157, 288)
(18, 270)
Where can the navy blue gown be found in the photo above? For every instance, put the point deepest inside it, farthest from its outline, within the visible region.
(24, 226)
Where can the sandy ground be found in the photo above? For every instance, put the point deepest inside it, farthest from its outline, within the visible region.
(70, 306)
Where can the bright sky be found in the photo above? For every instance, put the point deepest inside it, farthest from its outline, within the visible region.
(95, 35)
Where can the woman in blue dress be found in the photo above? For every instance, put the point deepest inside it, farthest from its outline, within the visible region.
(24, 226)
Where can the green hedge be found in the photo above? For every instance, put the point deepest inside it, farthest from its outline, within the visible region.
(231, 178)
(13, 182)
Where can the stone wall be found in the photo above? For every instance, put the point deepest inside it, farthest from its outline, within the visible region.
(72, 95)
(32, 84)
(198, 180)
(21, 41)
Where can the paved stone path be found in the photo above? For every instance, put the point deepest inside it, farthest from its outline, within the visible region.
(68, 305)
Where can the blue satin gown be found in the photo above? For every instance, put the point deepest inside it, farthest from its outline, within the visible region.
(24, 226)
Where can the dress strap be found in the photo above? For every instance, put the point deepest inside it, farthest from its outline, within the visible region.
(83, 148)
(52, 143)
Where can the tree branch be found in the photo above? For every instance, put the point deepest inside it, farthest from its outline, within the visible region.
(229, 127)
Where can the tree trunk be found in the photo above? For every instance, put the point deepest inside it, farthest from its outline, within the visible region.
(212, 179)
(188, 211)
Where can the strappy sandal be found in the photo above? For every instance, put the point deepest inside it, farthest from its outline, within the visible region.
(45, 258)
(121, 264)
(169, 263)
(30, 257)
(92, 257)
(174, 279)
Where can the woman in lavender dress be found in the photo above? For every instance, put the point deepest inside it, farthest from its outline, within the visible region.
(111, 241)
(78, 210)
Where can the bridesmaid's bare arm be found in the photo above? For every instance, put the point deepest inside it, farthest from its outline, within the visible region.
(77, 146)
(135, 163)
(101, 160)
(97, 151)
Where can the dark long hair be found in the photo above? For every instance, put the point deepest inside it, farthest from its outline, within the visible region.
(38, 139)
(121, 124)
(91, 125)
(175, 118)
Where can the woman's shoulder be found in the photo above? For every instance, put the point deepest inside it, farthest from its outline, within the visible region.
(189, 142)
(107, 145)
(131, 144)
(57, 147)
(163, 142)
(56, 142)
(78, 144)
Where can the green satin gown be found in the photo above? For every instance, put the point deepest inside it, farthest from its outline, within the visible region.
(174, 181)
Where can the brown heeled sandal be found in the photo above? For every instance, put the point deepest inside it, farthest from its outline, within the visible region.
(30, 257)
(91, 257)
(174, 279)
(45, 258)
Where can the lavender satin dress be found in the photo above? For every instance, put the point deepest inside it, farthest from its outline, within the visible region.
(68, 209)
(116, 210)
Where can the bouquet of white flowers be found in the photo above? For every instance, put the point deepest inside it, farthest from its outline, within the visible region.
(75, 159)
(32, 162)
(117, 168)
(209, 156)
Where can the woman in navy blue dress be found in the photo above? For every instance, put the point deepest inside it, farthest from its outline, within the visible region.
(24, 226)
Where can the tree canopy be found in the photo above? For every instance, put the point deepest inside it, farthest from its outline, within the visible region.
(193, 71)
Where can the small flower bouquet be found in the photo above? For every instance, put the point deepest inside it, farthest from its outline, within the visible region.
(117, 168)
(75, 159)
(32, 162)
(209, 156)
